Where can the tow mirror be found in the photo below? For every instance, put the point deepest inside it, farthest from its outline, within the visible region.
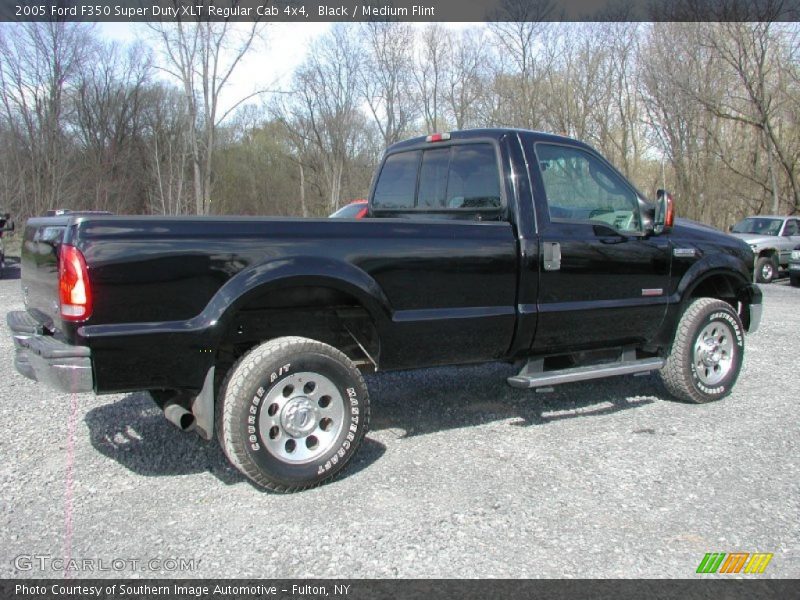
(665, 212)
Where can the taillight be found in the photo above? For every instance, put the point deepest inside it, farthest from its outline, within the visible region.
(74, 291)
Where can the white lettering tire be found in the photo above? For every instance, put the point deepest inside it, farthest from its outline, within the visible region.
(293, 413)
(707, 352)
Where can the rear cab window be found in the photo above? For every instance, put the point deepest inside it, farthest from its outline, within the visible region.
(459, 179)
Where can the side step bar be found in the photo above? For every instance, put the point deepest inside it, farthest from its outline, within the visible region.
(532, 375)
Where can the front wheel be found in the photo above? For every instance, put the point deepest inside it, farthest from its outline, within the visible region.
(707, 352)
(795, 280)
(766, 269)
(293, 413)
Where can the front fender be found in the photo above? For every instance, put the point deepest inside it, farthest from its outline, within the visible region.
(709, 266)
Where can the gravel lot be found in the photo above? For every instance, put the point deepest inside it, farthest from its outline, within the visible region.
(461, 476)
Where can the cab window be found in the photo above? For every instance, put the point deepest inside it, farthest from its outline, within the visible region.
(581, 187)
(451, 178)
(397, 181)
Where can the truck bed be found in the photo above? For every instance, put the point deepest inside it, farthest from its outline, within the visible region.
(173, 279)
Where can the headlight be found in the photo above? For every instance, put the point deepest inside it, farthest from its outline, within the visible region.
(795, 254)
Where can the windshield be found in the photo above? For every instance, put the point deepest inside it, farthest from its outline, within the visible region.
(759, 225)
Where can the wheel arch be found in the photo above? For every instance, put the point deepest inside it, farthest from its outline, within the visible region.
(323, 299)
(718, 276)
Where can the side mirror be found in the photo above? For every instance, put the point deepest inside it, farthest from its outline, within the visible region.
(730, 228)
(665, 212)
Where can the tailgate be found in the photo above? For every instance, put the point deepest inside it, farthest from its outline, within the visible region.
(39, 260)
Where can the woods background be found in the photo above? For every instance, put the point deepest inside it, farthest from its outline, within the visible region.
(711, 108)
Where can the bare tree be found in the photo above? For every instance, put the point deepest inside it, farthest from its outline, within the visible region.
(750, 51)
(108, 114)
(203, 56)
(620, 124)
(167, 151)
(431, 70)
(677, 124)
(39, 63)
(386, 79)
(324, 109)
(520, 27)
(468, 77)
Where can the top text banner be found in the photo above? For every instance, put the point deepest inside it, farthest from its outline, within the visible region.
(399, 10)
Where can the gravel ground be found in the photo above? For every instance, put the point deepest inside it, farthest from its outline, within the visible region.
(461, 476)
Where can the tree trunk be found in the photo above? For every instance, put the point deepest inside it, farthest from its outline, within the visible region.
(303, 206)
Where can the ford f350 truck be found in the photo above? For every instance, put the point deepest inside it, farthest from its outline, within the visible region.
(480, 245)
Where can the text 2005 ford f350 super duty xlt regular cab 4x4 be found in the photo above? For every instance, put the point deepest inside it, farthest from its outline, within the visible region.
(479, 245)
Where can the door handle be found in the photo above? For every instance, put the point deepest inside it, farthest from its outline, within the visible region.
(551, 252)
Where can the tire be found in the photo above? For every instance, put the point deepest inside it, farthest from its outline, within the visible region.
(794, 280)
(766, 269)
(707, 352)
(294, 411)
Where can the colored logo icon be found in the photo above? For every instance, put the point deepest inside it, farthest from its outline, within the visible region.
(734, 562)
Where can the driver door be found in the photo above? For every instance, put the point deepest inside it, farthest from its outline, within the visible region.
(602, 282)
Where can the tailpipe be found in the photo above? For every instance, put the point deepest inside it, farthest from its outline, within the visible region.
(179, 416)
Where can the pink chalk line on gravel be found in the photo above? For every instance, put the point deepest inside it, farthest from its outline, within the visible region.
(72, 424)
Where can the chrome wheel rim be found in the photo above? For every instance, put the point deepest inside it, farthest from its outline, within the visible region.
(714, 353)
(301, 417)
(766, 271)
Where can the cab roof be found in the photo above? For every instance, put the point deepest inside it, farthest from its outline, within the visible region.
(493, 133)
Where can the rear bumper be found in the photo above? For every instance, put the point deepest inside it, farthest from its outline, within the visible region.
(48, 360)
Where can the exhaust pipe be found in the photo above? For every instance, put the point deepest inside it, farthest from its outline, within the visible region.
(179, 416)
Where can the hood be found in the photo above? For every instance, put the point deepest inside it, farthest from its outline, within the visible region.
(755, 238)
(695, 231)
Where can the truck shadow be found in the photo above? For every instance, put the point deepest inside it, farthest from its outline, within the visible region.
(134, 432)
(455, 397)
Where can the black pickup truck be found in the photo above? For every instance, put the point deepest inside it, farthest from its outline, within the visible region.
(480, 245)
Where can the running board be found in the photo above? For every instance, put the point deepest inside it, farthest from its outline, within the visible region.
(532, 375)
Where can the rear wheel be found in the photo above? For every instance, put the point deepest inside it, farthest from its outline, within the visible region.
(795, 280)
(294, 412)
(766, 269)
(707, 353)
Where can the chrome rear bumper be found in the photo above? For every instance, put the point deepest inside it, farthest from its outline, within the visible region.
(48, 360)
